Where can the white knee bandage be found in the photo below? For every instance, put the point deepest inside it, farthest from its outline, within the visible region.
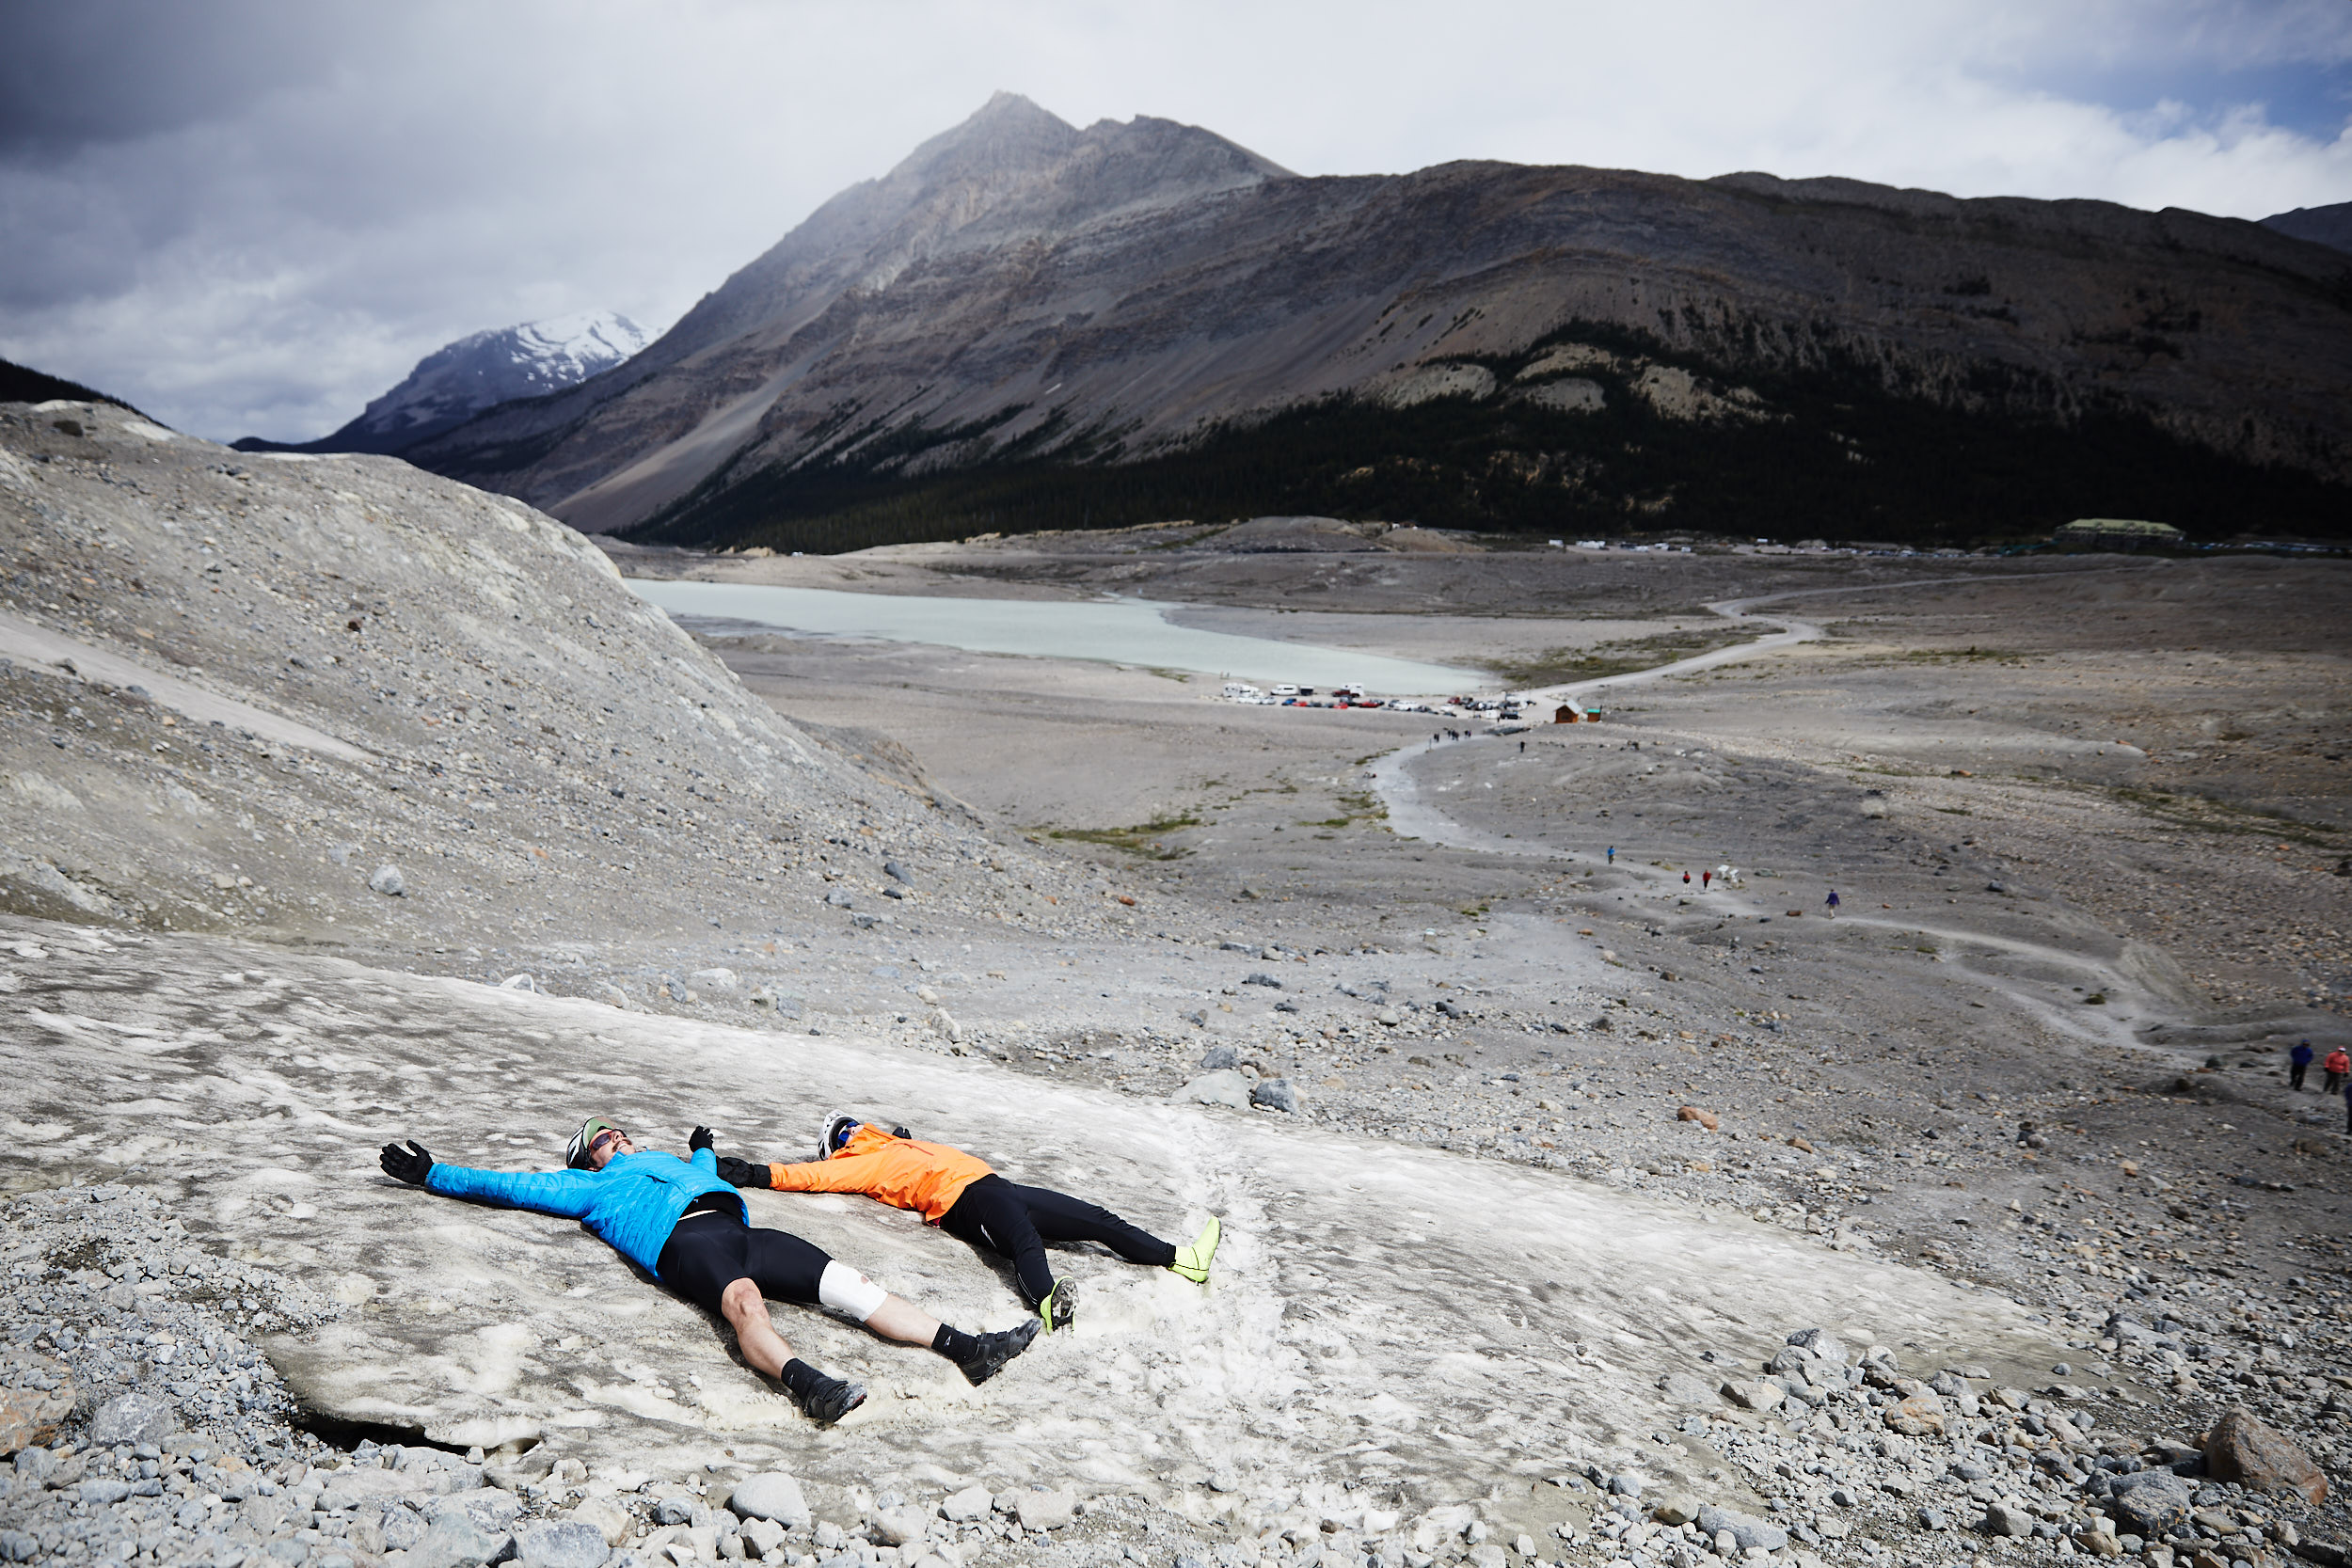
(841, 1289)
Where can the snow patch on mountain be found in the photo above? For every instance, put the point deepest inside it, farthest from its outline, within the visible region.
(460, 379)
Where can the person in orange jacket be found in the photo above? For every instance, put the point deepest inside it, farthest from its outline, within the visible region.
(2336, 1065)
(962, 1196)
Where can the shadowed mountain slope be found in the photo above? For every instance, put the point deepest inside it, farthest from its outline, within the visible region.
(2328, 226)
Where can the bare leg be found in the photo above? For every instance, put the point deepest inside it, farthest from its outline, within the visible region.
(901, 1320)
(746, 1312)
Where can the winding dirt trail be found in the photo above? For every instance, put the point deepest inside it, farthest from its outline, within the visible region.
(1411, 814)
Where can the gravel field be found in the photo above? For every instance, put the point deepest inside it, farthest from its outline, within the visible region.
(1578, 1214)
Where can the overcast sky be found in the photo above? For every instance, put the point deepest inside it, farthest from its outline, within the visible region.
(250, 217)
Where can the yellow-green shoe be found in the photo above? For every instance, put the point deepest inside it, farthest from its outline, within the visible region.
(1193, 1261)
(1059, 1306)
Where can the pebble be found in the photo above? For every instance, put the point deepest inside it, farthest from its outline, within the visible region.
(388, 882)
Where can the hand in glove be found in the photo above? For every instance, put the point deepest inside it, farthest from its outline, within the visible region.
(698, 1140)
(411, 1165)
(741, 1173)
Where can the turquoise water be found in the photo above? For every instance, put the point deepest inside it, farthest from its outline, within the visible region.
(1122, 631)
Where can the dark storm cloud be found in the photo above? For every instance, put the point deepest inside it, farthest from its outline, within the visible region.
(114, 71)
(251, 216)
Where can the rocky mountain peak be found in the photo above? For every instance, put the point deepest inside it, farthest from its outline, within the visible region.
(1012, 171)
(480, 370)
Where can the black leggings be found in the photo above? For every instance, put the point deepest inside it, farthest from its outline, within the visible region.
(709, 1252)
(1016, 1222)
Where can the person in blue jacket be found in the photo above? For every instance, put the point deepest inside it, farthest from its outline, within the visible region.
(679, 1222)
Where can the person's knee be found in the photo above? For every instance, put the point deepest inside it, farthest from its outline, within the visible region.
(841, 1289)
(739, 1298)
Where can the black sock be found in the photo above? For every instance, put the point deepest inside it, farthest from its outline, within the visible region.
(955, 1344)
(800, 1379)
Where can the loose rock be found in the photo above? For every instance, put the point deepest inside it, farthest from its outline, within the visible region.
(2245, 1448)
(1046, 1510)
(133, 1419)
(1275, 1094)
(772, 1496)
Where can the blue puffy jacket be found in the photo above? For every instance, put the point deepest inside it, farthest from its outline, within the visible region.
(632, 1204)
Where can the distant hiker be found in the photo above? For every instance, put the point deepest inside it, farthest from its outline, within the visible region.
(1612, 854)
(678, 1220)
(962, 1196)
(1832, 903)
(1522, 745)
(1705, 878)
(1686, 879)
(2300, 1059)
(2338, 1067)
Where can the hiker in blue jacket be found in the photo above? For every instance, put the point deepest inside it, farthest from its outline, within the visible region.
(678, 1220)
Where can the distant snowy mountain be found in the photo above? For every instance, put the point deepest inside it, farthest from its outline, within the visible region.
(453, 384)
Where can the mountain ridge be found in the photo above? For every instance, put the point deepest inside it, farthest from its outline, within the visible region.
(1019, 291)
(2330, 226)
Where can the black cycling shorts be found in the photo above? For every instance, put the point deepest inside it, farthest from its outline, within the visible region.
(709, 1252)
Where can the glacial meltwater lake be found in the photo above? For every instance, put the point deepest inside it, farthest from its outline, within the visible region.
(1118, 631)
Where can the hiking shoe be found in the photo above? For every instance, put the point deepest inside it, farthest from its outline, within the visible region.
(1193, 1261)
(996, 1349)
(831, 1399)
(1059, 1306)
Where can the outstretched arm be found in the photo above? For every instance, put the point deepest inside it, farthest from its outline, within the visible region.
(850, 1173)
(740, 1173)
(567, 1193)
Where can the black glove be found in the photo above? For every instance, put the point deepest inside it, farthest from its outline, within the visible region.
(741, 1173)
(698, 1140)
(901, 1133)
(411, 1165)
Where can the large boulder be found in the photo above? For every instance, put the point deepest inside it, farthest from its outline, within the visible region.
(1920, 1415)
(899, 1526)
(560, 1544)
(2006, 1516)
(2258, 1456)
(2152, 1503)
(771, 1496)
(133, 1419)
(1224, 1086)
(607, 1517)
(36, 1393)
(455, 1540)
(1275, 1094)
(1044, 1510)
(1748, 1531)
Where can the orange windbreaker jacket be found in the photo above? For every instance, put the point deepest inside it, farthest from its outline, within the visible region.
(926, 1178)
